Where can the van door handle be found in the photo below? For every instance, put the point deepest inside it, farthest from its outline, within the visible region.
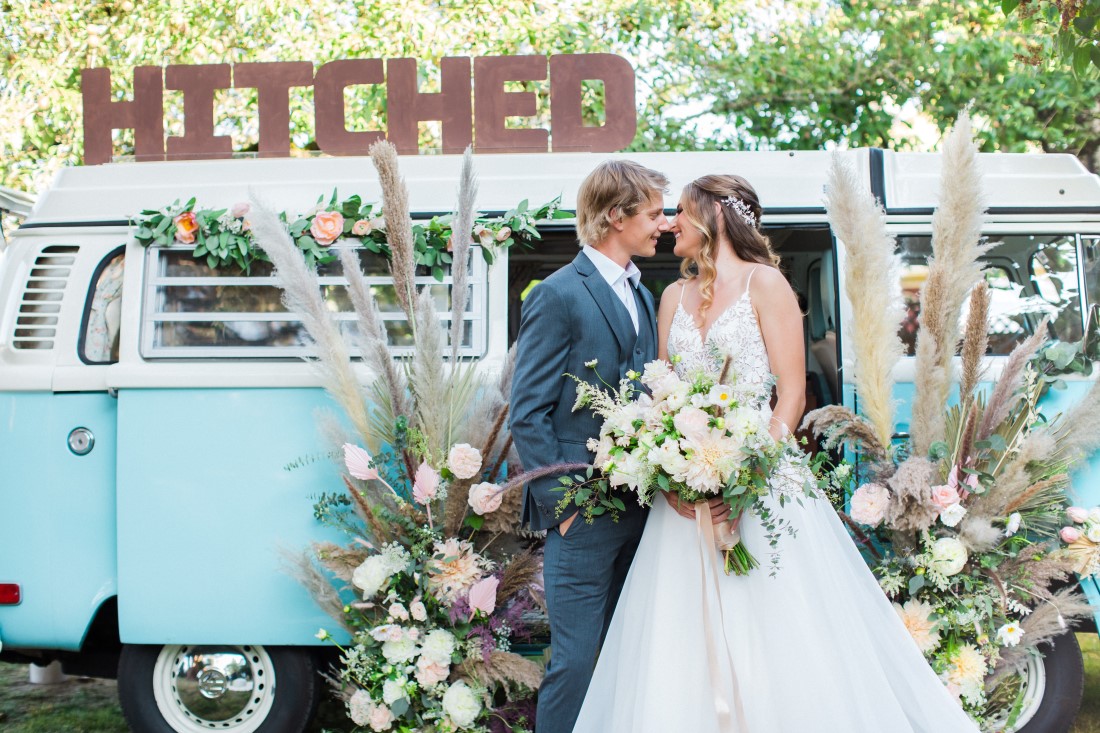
(81, 441)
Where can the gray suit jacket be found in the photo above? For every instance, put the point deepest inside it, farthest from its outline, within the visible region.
(568, 319)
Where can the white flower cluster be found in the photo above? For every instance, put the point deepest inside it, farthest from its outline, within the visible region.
(376, 570)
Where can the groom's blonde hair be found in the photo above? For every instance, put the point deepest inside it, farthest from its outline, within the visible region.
(615, 189)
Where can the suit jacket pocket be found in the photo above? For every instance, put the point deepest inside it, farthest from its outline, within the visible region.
(575, 451)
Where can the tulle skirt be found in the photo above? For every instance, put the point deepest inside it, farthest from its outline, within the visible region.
(818, 647)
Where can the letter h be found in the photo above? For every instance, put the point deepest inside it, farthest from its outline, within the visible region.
(144, 115)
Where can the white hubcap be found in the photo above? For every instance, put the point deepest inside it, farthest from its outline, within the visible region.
(203, 688)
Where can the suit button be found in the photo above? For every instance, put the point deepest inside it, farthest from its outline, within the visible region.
(638, 352)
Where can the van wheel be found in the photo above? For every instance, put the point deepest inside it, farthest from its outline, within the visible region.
(1049, 688)
(242, 689)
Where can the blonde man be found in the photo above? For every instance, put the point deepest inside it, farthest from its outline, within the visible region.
(594, 308)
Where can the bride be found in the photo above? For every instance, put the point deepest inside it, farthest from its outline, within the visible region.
(817, 647)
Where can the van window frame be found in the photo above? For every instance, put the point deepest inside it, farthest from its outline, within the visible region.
(83, 333)
(477, 313)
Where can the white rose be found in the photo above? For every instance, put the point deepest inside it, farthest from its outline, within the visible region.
(464, 460)
(394, 690)
(371, 575)
(869, 503)
(438, 646)
(461, 705)
(948, 556)
(400, 651)
(381, 718)
(485, 498)
(1093, 533)
(953, 514)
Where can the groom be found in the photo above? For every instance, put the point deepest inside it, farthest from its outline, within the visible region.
(594, 308)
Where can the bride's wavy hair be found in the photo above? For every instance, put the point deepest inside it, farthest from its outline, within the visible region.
(725, 224)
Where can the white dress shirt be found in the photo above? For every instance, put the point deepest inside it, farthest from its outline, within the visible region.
(622, 281)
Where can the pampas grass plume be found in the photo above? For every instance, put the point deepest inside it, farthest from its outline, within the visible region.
(395, 211)
(872, 286)
(462, 226)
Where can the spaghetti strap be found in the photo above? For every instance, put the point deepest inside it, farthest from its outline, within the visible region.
(748, 282)
(683, 287)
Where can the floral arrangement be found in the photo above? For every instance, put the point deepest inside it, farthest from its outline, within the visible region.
(224, 238)
(962, 523)
(1082, 539)
(698, 438)
(434, 583)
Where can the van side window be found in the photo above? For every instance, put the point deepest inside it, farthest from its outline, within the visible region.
(1029, 277)
(99, 342)
(191, 310)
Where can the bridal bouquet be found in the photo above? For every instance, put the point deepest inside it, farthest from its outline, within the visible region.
(697, 437)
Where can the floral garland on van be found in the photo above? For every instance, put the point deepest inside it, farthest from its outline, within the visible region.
(224, 238)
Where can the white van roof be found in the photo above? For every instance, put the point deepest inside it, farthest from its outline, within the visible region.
(787, 181)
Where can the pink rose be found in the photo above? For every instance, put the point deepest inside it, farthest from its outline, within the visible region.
(1069, 535)
(944, 496)
(381, 718)
(504, 233)
(691, 422)
(1077, 514)
(327, 227)
(485, 498)
(484, 235)
(240, 210)
(358, 463)
(399, 612)
(361, 228)
(483, 596)
(417, 610)
(186, 226)
(430, 672)
(425, 484)
(464, 460)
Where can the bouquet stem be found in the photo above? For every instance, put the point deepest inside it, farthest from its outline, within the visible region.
(739, 560)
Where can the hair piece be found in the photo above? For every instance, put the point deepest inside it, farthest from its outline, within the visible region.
(723, 223)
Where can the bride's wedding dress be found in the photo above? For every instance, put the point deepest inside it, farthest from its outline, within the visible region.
(816, 648)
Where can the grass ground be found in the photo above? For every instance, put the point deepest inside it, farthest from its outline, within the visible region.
(91, 706)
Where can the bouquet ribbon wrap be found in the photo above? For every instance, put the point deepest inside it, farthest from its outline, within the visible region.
(723, 678)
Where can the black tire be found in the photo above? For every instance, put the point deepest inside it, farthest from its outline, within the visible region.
(1063, 686)
(277, 693)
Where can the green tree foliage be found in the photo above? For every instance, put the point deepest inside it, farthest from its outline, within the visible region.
(1071, 27)
(712, 74)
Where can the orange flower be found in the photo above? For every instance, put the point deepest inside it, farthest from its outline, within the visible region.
(327, 227)
(186, 226)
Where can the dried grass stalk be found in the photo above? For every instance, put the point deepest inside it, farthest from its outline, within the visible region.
(911, 508)
(511, 671)
(952, 270)
(462, 226)
(373, 342)
(399, 234)
(302, 295)
(506, 517)
(426, 375)
(517, 575)
(873, 289)
(1080, 427)
(975, 343)
(1027, 497)
(1014, 477)
(838, 424)
(340, 561)
(300, 566)
(1049, 620)
(1006, 393)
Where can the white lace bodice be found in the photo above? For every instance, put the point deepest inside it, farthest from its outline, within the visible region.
(735, 332)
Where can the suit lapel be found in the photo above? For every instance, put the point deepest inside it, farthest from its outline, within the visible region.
(609, 304)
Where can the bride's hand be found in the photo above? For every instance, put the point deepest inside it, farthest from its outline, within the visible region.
(683, 508)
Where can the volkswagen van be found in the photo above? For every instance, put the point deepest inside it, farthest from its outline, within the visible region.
(158, 446)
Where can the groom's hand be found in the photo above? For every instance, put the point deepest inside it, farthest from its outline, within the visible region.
(564, 526)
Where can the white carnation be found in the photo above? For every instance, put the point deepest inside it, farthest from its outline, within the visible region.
(952, 514)
(438, 646)
(400, 651)
(461, 705)
(394, 690)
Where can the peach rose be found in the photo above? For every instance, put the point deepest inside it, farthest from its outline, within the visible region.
(186, 226)
(464, 460)
(327, 227)
(944, 496)
(361, 228)
(430, 672)
(485, 498)
(240, 210)
(504, 233)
